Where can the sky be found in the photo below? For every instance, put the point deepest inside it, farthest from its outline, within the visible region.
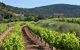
(38, 3)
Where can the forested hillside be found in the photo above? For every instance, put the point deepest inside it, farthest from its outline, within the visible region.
(10, 12)
(66, 9)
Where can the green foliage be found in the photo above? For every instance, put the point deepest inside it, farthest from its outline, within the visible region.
(30, 18)
(60, 25)
(1, 18)
(4, 26)
(14, 40)
(67, 41)
(70, 20)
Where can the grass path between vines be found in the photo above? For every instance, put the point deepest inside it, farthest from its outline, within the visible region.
(5, 33)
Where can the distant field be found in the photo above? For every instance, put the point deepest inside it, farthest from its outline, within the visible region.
(69, 20)
(62, 25)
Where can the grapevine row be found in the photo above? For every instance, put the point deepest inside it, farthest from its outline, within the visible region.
(70, 20)
(64, 41)
(4, 26)
(14, 40)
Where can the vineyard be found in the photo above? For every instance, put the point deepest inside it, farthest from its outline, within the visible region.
(67, 41)
(17, 35)
(61, 25)
(70, 20)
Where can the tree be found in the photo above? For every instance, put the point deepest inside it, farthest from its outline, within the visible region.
(1, 18)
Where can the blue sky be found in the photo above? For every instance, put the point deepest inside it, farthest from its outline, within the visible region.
(38, 3)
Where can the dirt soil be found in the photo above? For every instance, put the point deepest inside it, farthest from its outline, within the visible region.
(34, 42)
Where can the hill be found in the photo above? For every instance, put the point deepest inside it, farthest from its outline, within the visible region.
(7, 11)
(66, 9)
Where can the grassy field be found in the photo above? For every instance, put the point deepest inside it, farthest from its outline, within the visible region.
(60, 26)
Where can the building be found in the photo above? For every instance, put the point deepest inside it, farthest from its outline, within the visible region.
(58, 15)
(19, 14)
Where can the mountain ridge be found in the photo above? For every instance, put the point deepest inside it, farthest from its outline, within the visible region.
(49, 10)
